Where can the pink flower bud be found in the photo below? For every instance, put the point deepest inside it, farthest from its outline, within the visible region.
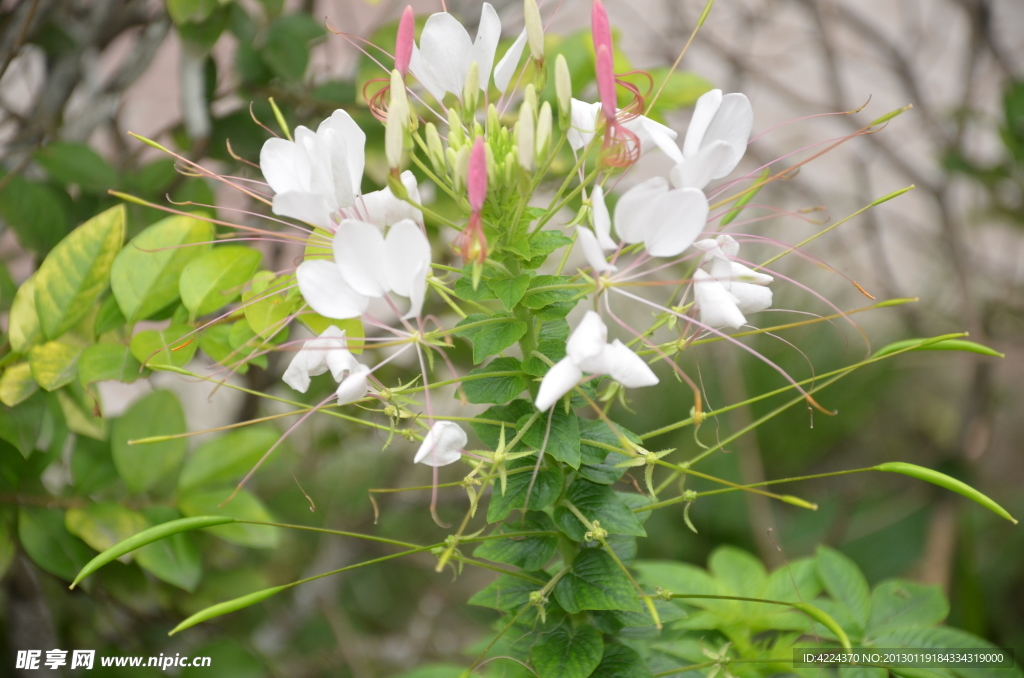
(599, 26)
(477, 180)
(606, 82)
(403, 45)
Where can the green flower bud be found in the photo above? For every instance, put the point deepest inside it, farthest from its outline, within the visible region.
(435, 149)
(395, 133)
(534, 29)
(525, 136)
(563, 90)
(462, 168)
(493, 122)
(471, 91)
(530, 96)
(456, 138)
(543, 130)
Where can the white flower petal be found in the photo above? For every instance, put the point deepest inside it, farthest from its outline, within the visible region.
(588, 339)
(445, 53)
(718, 308)
(713, 161)
(508, 64)
(676, 219)
(583, 123)
(406, 253)
(326, 292)
(627, 367)
(732, 124)
(602, 220)
(741, 274)
(558, 381)
(311, 208)
(488, 33)
(653, 134)
(321, 181)
(703, 113)
(284, 166)
(418, 292)
(752, 298)
(342, 124)
(424, 74)
(592, 250)
(632, 221)
(359, 253)
(442, 445)
(313, 358)
(353, 387)
(382, 208)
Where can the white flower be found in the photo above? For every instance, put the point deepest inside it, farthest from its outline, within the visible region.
(588, 351)
(442, 445)
(715, 140)
(600, 239)
(442, 59)
(584, 118)
(665, 220)
(317, 177)
(367, 264)
(506, 67)
(731, 289)
(329, 351)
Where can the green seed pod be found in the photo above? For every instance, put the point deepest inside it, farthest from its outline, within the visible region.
(149, 536)
(942, 480)
(227, 607)
(825, 620)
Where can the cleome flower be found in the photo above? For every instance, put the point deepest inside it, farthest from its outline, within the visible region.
(367, 264)
(442, 445)
(317, 177)
(329, 351)
(588, 350)
(650, 134)
(731, 289)
(716, 139)
(442, 60)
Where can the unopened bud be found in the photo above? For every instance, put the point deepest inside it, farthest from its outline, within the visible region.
(435, 149)
(563, 89)
(525, 137)
(493, 122)
(530, 97)
(510, 165)
(606, 82)
(543, 129)
(397, 92)
(492, 166)
(462, 167)
(476, 180)
(534, 29)
(471, 91)
(394, 134)
(398, 189)
(404, 42)
(455, 137)
(452, 156)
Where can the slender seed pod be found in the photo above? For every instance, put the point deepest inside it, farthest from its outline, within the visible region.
(942, 480)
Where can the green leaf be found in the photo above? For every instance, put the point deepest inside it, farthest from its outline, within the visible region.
(621, 662)
(244, 506)
(353, 328)
(745, 199)
(8, 548)
(490, 434)
(546, 489)
(17, 384)
(596, 582)
(142, 466)
(494, 337)
(897, 604)
(286, 51)
(76, 271)
(743, 574)
(23, 330)
(146, 272)
(80, 412)
(266, 308)
(228, 457)
(48, 543)
(464, 285)
(214, 278)
(54, 364)
(73, 163)
(947, 345)
(845, 584)
(92, 467)
(946, 638)
(529, 552)
(563, 438)
(537, 298)
(794, 582)
(544, 243)
(942, 480)
(681, 89)
(108, 362)
(598, 431)
(510, 290)
(156, 348)
(553, 349)
(22, 425)
(174, 559)
(507, 593)
(498, 389)
(597, 502)
(109, 317)
(145, 537)
(568, 652)
(38, 213)
(101, 526)
(190, 11)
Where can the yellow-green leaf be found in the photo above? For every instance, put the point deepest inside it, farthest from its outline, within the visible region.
(244, 506)
(215, 278)
(54, 364)
(156, 348)
(17, 384)
(23, 323)
(76, 271)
